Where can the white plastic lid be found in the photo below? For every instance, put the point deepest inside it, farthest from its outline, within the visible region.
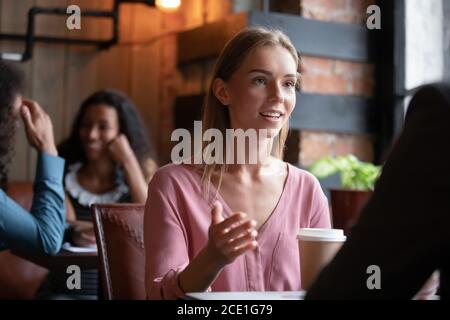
(318, 234)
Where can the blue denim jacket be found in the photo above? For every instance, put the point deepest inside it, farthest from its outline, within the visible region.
(42, 231)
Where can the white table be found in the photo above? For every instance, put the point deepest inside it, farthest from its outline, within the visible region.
(266, 295)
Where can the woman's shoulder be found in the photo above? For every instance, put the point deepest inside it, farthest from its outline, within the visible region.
(173, 169)
(303, 176)
(305, 186)
(2, 196)
(175, 173)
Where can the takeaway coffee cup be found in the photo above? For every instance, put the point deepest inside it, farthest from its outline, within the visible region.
(317, 248)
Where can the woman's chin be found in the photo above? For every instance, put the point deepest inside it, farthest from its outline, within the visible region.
(93, 155)
(269, 132)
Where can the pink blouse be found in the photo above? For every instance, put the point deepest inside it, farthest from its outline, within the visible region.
(176, 222)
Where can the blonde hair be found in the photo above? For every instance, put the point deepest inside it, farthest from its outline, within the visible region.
(215, 115)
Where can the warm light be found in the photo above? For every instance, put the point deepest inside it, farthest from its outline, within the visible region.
(168, 5)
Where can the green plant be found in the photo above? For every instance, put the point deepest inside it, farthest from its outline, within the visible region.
(355, 174)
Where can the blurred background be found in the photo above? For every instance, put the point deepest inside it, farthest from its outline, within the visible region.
(355, 85)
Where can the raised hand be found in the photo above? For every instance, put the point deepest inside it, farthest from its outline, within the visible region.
(230, 238)
(38, 127)
(227, 240)
(120, 149)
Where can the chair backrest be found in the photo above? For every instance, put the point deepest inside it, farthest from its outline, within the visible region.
(120, 242)
(19, 278)
(21, 192)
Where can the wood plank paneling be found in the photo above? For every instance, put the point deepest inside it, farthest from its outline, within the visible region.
(208, 40)
(216, 10)
(13, 19)
(61, 76)
(115, 62)
(195, 13)
(145, 67)
(82, 62)
(48, 64)
(192, 79)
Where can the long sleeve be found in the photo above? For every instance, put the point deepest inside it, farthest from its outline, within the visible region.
(163, 225)
(403, 230)
(41, 231)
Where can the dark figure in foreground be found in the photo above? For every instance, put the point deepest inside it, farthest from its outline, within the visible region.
(404, 228)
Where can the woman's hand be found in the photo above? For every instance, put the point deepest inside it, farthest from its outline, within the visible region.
(38, 127)
(123, 154)
(120, 150)
(230, 238)
(227, 240)
(83, 234)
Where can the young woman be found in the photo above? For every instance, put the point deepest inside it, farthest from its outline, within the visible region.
(233, 227)
(109, 157)
(109, 160)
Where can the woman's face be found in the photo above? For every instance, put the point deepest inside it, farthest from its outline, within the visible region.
(261, 93)
(99, 127)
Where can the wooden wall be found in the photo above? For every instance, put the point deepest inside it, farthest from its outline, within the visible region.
(143, 64)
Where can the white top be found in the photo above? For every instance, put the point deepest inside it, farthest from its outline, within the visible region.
(87, 198)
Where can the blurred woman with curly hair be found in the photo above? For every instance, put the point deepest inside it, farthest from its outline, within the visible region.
(41, 231)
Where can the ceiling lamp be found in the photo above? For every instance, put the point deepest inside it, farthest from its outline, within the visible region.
(168, 5)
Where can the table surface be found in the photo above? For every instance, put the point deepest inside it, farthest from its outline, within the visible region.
(250, 295)
(85, 260)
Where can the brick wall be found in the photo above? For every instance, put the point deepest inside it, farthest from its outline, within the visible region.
(331, 76)
(346, 11)
(337, 77)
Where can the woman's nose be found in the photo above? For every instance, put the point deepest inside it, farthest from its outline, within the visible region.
(276, 94)
(93, 133)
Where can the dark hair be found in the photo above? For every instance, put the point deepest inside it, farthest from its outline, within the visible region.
(12, 83)
(130, 124)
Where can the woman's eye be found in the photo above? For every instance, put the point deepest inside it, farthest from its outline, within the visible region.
(259, 81)
(290, 84)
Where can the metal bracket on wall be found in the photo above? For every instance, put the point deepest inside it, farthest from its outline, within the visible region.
(30, 38)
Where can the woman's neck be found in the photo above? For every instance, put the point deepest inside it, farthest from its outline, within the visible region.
(102, 169)
(262, 156)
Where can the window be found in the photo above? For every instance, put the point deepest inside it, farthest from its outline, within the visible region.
(427, 42)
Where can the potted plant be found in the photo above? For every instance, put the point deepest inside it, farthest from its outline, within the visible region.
(357, 183)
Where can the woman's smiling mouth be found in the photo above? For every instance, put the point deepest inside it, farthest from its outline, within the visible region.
(271, 115)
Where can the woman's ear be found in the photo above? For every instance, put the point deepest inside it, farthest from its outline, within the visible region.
(221, 92)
